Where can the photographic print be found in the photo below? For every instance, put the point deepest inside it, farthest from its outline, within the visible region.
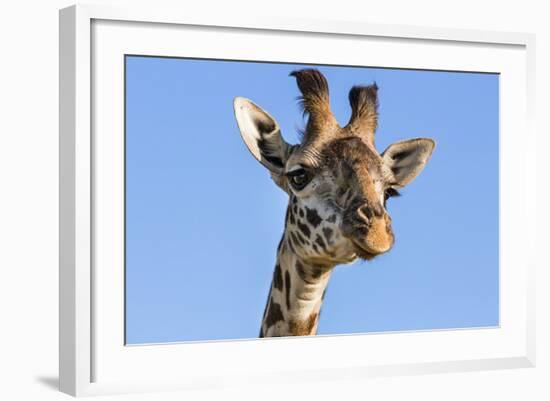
(282, 199)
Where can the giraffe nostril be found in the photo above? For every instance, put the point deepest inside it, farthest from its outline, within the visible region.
(364, 213)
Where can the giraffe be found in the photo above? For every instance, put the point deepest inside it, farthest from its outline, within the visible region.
(338, 185)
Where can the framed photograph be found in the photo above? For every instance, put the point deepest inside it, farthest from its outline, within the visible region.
(243, 200)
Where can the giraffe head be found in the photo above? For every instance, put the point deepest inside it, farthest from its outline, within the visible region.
(338, 183)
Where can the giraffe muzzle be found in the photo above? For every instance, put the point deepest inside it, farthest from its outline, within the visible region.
(370, 231)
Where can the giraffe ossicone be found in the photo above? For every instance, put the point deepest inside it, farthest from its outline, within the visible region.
(338, 185)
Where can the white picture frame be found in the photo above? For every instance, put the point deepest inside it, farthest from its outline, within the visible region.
(93, 357)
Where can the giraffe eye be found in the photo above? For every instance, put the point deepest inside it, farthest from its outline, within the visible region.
(298, 178)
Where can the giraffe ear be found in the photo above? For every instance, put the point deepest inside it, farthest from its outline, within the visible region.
(262, 135)
(407, 159)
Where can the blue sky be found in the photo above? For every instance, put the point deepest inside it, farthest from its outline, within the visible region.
(203, 218)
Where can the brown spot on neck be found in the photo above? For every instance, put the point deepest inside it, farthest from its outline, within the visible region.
(304, 228)
(327, 232)
(287, 289)
(278, 278)
(274, 314)
(320, 242)
(305, 327)
(313, 217)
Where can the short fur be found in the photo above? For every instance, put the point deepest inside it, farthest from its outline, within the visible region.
(340, 213)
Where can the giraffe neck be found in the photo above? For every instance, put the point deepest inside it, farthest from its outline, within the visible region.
(296, 295)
